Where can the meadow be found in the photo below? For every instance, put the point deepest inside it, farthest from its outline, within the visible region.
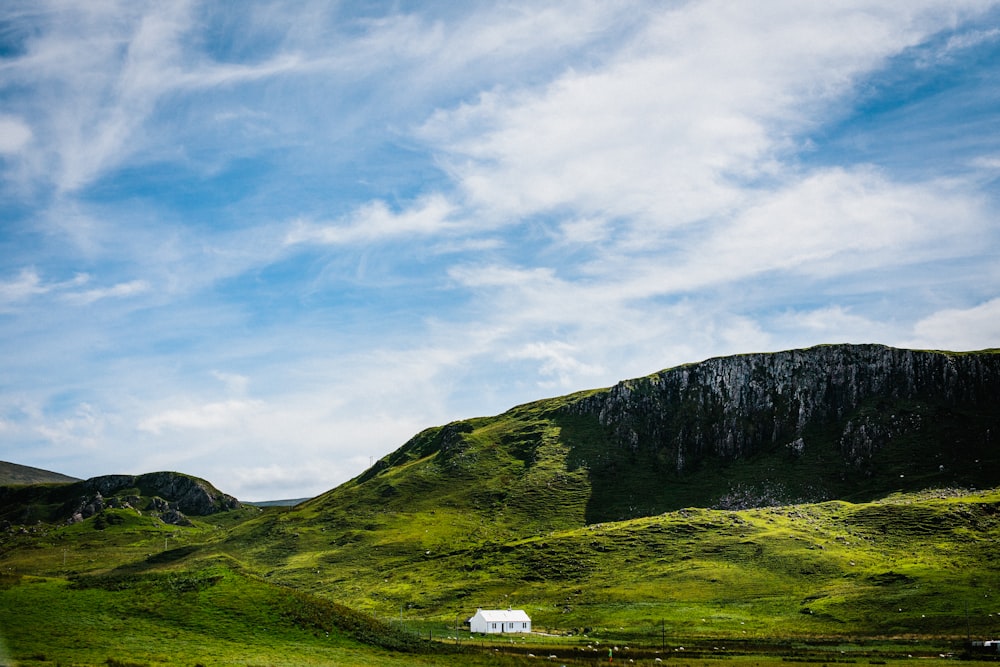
(909, 575)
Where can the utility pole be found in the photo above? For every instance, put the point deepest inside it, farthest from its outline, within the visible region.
(968, 626)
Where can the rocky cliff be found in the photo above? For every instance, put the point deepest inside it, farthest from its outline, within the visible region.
(860, 398)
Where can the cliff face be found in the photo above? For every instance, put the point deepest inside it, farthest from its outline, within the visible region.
(865, 396)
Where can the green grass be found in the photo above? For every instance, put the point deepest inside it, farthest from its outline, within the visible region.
(265, 587)
(211, 615)
(810, 570)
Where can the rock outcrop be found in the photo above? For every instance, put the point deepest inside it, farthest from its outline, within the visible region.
(187, 494)
(168, 496)
(732, 408)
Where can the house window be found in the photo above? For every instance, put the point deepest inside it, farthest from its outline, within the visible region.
(494, 626)
(524, 625)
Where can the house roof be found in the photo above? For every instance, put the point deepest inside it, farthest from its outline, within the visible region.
(504, 615)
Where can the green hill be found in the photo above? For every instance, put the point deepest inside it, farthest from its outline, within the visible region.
(170, 496)
(12, 473)
(484, 511)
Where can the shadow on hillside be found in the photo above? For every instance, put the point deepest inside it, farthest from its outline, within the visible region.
(950, 449)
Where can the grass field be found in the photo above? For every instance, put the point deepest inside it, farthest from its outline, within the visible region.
(912, 574)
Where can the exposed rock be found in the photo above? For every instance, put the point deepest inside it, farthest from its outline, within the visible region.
(733, 407)
(175, 518)
(86, 507)
(170, 490)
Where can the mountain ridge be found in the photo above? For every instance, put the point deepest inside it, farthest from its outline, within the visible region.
(813, 424)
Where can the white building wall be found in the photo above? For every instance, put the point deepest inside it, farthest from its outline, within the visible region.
(499, 621)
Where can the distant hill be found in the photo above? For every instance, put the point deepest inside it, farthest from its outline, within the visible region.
(291, 502)
(170, 496)
(12, 473)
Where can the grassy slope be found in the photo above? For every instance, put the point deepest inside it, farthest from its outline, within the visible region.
(141, 592)
(51, 502)
(12, 473)
(257, 587)
(905, 565)
(210, 616)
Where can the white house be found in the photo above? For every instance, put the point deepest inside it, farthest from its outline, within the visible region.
(496, 621)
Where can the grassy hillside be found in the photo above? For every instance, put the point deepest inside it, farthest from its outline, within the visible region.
(279, 586)
(125, 589)
(12, 473)
(152, 494)
(257, 586)
(906, 565)
(564, 462)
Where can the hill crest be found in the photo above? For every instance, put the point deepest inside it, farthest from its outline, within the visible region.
(850, 422)
(13, 473)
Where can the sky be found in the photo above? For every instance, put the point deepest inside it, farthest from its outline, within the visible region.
(265, 243)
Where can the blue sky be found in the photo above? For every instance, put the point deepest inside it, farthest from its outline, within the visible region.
(266, 242)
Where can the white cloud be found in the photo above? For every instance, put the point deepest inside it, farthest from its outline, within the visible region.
(100, 71)
(263, 482)
(958, 43)
(503, 276)
(585, 231)
(646, 136)
(29, 284)
(375, 222)
(975, 328)
(840, 221)
(15, 134)
(84, 428)
(104, 92)
(235, 383)
(828, 324)
(991, 162)
(120, 290)
(25, 285)
(559, 360)
(208, 416)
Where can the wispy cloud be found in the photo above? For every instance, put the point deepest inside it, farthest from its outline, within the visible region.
(375, 222)
(14, 134)
(28, 283)
(121, 290)
(644, 136)
(214, 415)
